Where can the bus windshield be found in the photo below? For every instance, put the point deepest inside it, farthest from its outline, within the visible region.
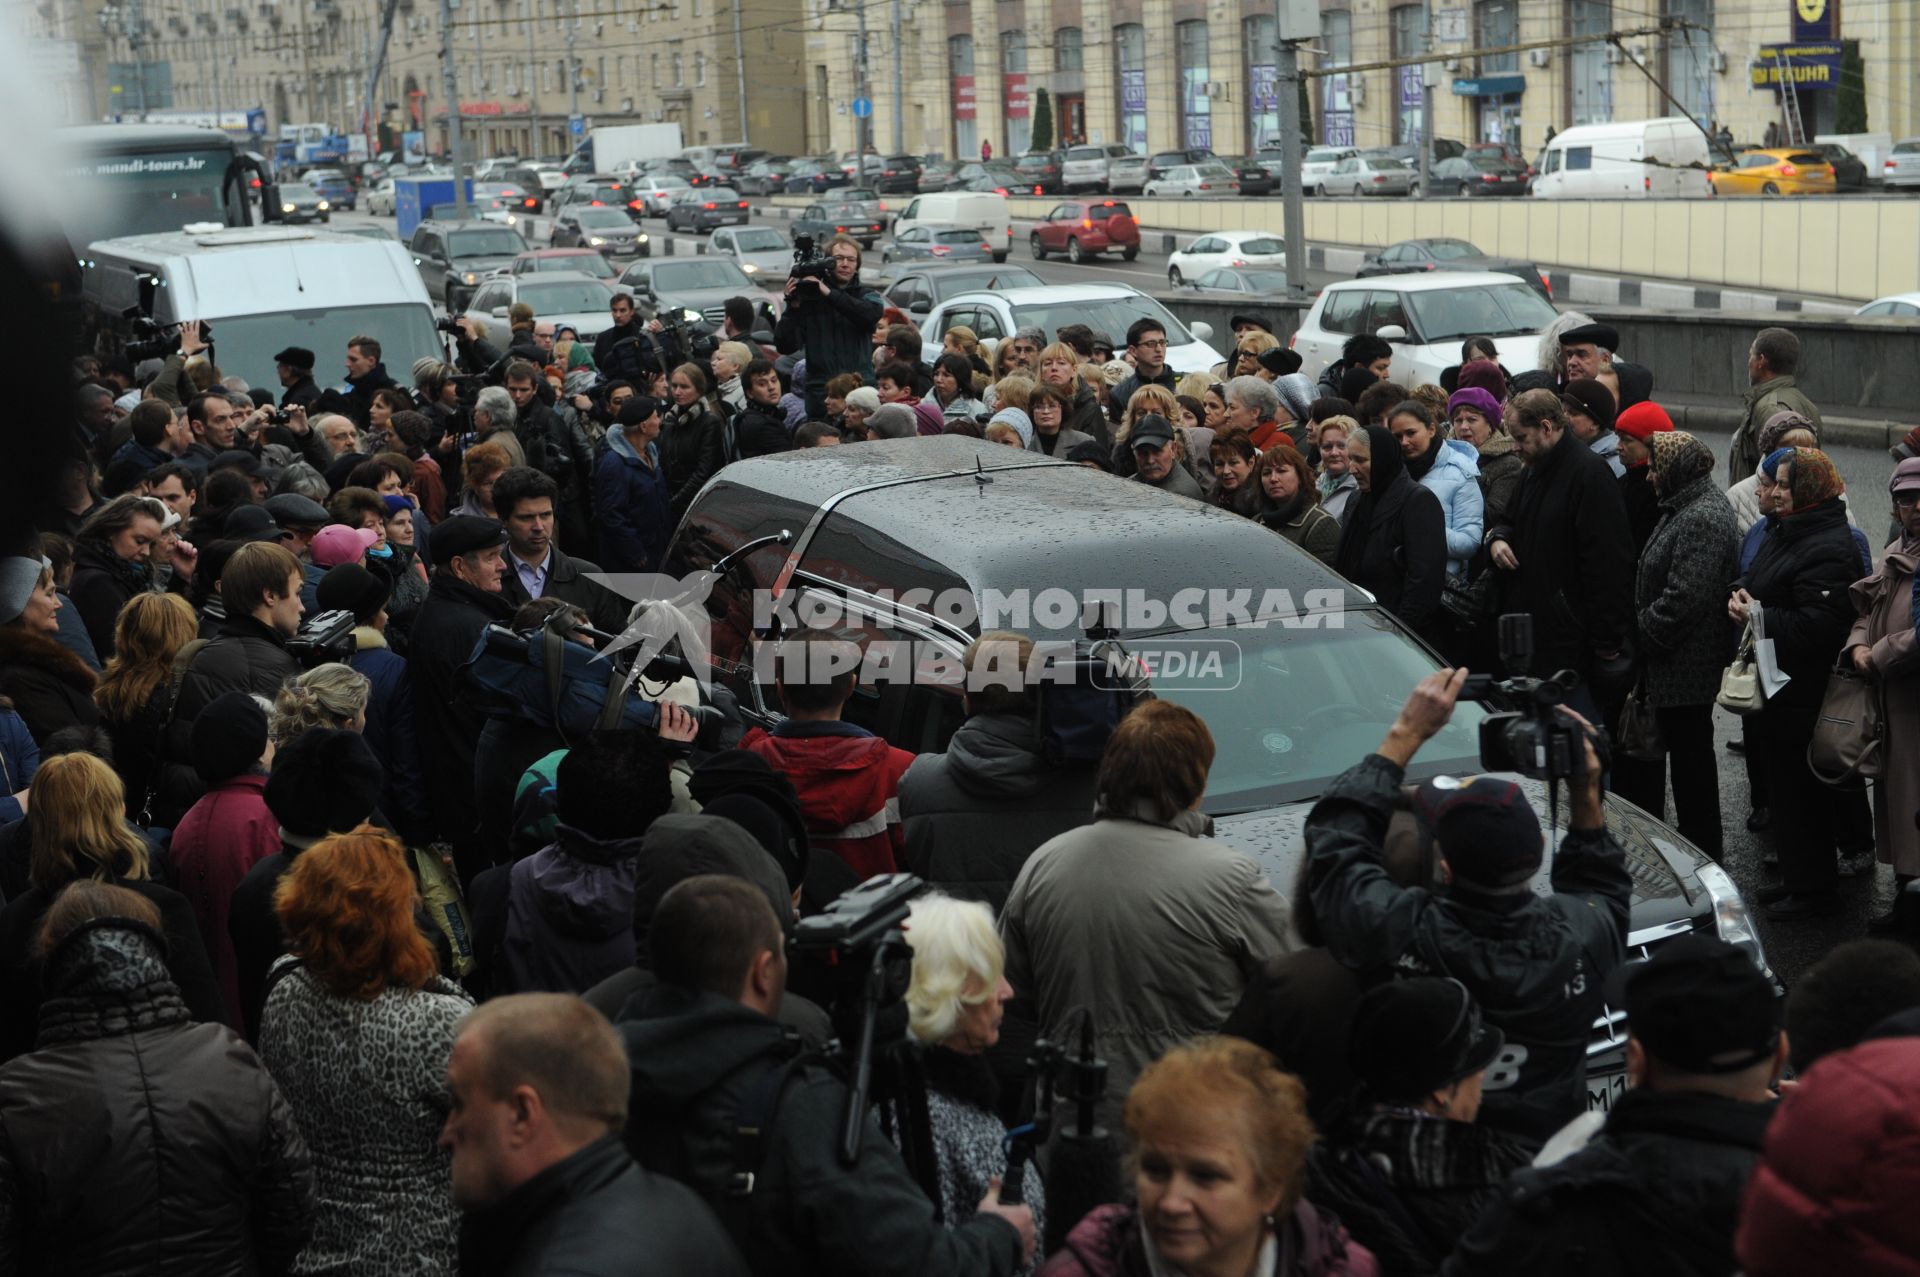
(138, 181)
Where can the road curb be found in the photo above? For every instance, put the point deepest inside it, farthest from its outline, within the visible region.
(1851, 432)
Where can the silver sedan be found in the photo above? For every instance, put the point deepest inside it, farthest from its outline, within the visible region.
(1370, 175)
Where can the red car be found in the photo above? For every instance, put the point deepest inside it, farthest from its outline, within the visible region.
(1083, 229)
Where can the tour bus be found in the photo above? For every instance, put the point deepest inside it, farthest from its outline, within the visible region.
(1641, 159)
(262, 289)
(128, 179)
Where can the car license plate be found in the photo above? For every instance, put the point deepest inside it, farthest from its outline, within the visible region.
(1603, 1092)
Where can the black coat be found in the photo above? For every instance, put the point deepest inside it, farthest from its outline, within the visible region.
(1087, 417)
(49, 686)
(139, 745)
(597, 1212)
(835, 332)
(102, 584)
(1642, 501)
(974, 814)
(1657, 1191)
(135, 1142)
(697, 1059)
(1569, 531)
(1393, 540)
(759, 430)
(1117, 401)
(693, 447)
(245, 655)
(303, 392)
(630, 353)
(446, 720)
(567, 580)
(359, 394)
(1800, 578)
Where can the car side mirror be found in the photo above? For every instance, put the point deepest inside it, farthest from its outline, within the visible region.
(499, 312)
(1392, 332)
(1202, 331)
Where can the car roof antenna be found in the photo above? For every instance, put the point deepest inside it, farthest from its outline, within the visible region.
(980, 475)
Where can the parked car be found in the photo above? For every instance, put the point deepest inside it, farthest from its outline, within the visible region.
(1370, 175)
(1254, 177)
(1040, 171)
(759, 251)
(1780, 170)
(937, 244)
(1086, 228)
(990, 179)
(333, 186)
(897, 175)
(918, 288)
(700, 284)
(1242, 281)
(824, 221)
(382, 200)
(815, 176)
(1085, 167)
(1190, 180)
(1226, 248)
(1849, 170)
(1105, 308)
(1319, 162)
(299, 202)
(1902, 166)
(1441, 254)
(1499, 150)
(1898, 306)
(1444, 148)
(1659, 159)
(1479, 175)
(701, 209)
(1310, 699)
(454, 257)
(1126, 174)
(608, 231)
(763, 177)
(1425, 317)
(579, 301)
(1161, 162)
(937, 176)
(563, 261)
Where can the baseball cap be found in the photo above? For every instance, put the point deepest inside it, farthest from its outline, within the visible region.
(1699, 1004)
(463, 534)
(1152, 428)
(1486, 829)
(1411, 1037)
(337, 543)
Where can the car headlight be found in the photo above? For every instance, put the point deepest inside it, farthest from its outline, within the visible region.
(471, 278)
(286, 208)
(595, 240)
(640, 238)
(323, 206)
(1731, 921)
(750, 268)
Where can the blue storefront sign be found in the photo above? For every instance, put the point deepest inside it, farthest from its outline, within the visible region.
(1805, 66)
(1490, 86)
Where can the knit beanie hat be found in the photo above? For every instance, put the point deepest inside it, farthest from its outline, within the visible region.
(19, 578)
(325, 781)
(229, 736)
(866, 399)
(891, 421)
(1296, 392)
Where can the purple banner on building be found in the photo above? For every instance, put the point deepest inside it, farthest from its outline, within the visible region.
(1336, 111)
(1133, 90)
(1412, 96)
(1263, 87)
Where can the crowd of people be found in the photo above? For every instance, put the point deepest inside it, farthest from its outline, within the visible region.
(317, 960)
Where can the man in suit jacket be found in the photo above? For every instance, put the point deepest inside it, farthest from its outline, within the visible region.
(536, 567)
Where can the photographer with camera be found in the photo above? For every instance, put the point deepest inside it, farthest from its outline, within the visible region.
(721, 1103)
(1535, 965)
(473, 353)
(830, 315)
(633, 351)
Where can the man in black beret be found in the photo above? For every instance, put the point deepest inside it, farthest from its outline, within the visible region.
(463, 599)
(295, 367)
(1587, 353)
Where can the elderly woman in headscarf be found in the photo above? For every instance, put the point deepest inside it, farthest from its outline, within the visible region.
(1798, 584)
(1784, 429)
(1393, 542)
(1881, 646)
(1693, 550)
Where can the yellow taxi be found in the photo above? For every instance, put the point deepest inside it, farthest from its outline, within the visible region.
(1785, 170)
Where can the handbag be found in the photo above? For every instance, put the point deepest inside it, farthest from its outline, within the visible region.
(1849, 734)
(1740, 682)
(1467, 603)
(1640, 734)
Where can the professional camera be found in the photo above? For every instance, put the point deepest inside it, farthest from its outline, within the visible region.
(323, 637)
(1534, 740)
(809, 262)
(153, 339)
(450, 325)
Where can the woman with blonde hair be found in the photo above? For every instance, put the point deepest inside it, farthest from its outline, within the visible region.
(730, 358)
(135, 693)
(330, 695)
(1060, 368)
(1247, 351)
(357, 1031)
(1195, 385)
(956, 999)
(1195, 444)
(80, 831)
(1012, 391)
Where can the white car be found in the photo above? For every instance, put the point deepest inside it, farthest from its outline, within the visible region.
(1108, 308)
(1371, 175)
(551, 179)
(1898, 306)
(761, 252)
(1425, 317)
(1226, 248)
(1188, 180)
(655, 193)
(380, 200)
(578, 300)
(1320, 161)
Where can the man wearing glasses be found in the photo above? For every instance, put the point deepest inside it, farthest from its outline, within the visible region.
(832, 321)
(1147, 349)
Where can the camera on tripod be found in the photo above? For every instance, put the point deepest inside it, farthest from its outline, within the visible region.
(1535, 739)
(809, 262)
(323, 637)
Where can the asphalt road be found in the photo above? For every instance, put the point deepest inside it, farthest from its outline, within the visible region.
(1792, 947)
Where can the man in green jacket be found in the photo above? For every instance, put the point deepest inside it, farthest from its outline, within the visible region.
(1771, 364)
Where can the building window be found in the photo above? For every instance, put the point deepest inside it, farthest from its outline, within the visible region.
(699, 67)
(1015, 106)
(1196, 105)
(1689, 59)
(1589, 77)
(653, 68)
(1130, 67)
(696, 8)
(1336, 93)
(1407, 26)
(679, 73)
(965, 113)
(1257, 37)
(1067, 50)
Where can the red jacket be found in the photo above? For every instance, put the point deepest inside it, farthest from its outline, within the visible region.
(849, 785)
(221, 837)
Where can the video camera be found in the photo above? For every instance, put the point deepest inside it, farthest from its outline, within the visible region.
(153, 339)
(1534, 740)
(323, 637)
(809, 262)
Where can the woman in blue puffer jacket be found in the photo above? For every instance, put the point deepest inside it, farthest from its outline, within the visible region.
(1450, 470)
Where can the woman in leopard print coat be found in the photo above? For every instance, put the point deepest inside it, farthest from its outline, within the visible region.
(357, 1034)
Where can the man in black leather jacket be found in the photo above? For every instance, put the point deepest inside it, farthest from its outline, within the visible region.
(1536, 965)
(633, 351)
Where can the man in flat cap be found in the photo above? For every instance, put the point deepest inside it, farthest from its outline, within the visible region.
(1587, 352)
(295, 367)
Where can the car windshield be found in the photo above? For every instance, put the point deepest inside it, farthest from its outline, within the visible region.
(957, 237)
(325, 175)
(669, 184)
(558, 296)
(845, 211)
(1386, 163)
(1324, 155)
(1209, 171)
(1306, 702)
(485, 243)
(758, 239)
(1085, 153)
(1102, 314)
(1262, 247)
(1488, 162)
(504, 190)
(1264, 279)
(605, 219)
(1495, 310)
(1452, 250)
(1907, 147)
(1033, 161)
(711, 274)
(576, 263)
(297, 190)
(717, 193)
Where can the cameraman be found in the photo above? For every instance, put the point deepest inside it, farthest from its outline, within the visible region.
(832, 319)
(711, 1063)
(473, 354)
(1536, 965)
(631, 351)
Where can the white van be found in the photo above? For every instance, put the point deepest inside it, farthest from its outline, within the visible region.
(1641, 159)
(264, 288)
(981, 211)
